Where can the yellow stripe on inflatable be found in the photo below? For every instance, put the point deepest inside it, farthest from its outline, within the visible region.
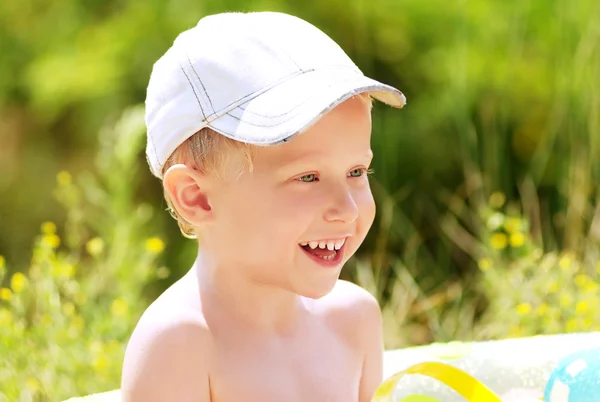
(470, 388)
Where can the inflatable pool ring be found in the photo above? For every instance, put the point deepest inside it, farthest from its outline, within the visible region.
(467, 386)
(576, 378)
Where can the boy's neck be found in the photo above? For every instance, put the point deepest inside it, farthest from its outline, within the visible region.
(226, 292)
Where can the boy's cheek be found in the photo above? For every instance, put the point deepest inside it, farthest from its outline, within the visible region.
(367, 211)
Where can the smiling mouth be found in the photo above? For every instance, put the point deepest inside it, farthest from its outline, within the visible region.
(325, 252)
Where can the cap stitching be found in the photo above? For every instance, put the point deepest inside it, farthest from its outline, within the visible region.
(294, 109)
(289, 111)
(258, 92)
(286, 136)
(203, 88)
(302, 72)
(194, 91)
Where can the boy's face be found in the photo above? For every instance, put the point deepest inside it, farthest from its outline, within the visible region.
(313, 188)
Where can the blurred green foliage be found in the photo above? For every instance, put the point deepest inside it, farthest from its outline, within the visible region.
(486, 182)
(65, 320)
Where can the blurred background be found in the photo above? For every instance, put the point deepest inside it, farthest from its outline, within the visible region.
(486, 182)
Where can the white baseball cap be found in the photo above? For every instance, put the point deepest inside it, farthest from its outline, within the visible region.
(259, 78)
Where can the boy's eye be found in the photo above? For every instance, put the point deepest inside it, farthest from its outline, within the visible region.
(356, 173)
(307, 178)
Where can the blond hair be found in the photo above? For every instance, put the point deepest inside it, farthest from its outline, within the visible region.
(208, 152)
(213, 154)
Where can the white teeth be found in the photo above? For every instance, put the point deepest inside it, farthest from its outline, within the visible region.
(329, 257)
(325, 244)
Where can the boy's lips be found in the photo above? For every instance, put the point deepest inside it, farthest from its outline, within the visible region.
(327, 256)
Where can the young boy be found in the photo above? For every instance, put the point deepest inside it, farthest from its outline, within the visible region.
(259, 127)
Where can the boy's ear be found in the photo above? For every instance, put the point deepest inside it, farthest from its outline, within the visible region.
(188, 190)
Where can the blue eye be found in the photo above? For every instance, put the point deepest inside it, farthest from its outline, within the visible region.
(356, 172)
(309, 178)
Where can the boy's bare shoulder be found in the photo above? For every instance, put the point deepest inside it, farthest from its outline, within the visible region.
(347, 296)
(168, 350)
(177, 311)
(351, 305)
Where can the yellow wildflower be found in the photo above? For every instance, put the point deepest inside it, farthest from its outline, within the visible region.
(581, 307)
(51, 240)
(32, 383)
(512, 225)
(517, 239)
(586, 283)
(485, 264)
(95, 246)
(18, 282)
(591, 287)
(523, 308)
(155, 245)
(48, 228)
(499, 241)
(63, 178)
(119, 307)
(100, 362)
(566, 261)
(67, 270)
(5, 294)
(541, 309)
(497, 199)
(571, 325)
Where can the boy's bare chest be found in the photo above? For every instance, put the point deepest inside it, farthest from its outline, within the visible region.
(320, 368)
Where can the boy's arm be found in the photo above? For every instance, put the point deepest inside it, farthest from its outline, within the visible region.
(167, 362)
(371, 325)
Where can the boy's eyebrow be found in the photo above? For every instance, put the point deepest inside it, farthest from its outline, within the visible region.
(368, 156)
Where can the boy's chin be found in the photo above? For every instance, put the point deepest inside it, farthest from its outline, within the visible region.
(316, 291)
(314, 295)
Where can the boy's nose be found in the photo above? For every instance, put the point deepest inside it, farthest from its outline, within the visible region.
(342, 208)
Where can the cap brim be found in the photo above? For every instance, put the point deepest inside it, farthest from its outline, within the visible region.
(294, 105)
